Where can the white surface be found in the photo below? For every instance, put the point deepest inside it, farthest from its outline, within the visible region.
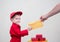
(32, 10)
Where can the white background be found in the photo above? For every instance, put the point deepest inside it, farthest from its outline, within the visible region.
(32, 10)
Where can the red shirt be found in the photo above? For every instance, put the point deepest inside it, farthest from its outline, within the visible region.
(16, 33)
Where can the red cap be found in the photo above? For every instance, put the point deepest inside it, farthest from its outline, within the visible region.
(13, 13)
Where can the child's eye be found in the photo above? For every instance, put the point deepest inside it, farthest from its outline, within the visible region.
(17, 18)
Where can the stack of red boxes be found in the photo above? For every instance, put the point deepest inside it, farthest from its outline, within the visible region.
(38, 38)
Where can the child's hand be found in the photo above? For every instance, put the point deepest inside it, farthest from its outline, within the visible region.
(29, 28)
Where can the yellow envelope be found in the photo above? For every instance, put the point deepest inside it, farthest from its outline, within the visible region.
(36, 24)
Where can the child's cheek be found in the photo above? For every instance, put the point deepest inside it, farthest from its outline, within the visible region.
(17, 21)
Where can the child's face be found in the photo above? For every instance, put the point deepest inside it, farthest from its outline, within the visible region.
(16, 19)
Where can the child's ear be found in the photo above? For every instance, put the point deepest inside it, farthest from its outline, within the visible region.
(11, 19)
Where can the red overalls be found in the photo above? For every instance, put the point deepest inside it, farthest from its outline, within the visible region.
(16, 33)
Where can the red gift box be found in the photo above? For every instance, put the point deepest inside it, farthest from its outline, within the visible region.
(34, 39)
(39, 36)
